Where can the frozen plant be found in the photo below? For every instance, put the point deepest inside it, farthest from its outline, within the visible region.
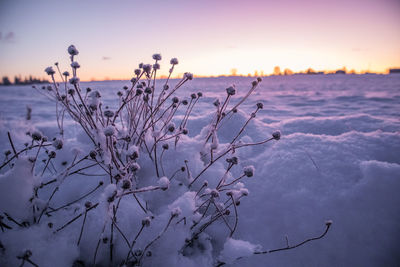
(147, 194)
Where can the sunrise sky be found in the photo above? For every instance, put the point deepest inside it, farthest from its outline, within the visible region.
(208, 37)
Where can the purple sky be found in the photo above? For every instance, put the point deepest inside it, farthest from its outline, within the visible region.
(208, 37)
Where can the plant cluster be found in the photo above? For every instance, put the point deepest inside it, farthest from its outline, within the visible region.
(136, 158)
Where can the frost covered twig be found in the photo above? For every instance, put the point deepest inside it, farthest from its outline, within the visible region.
(327, 226)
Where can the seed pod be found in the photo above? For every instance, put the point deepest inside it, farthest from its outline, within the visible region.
(126, 184)
(175, 99)
(108, 113)
(52, 154)
(93, 154)
(276, 135)
(37, 136)
(58, 144)
(146, 221)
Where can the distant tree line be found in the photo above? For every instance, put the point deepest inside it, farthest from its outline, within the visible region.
(19, 81)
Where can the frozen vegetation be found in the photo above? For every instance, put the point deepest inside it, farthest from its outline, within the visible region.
(188, 174)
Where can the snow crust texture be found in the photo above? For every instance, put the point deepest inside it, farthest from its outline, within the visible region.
(337, 158)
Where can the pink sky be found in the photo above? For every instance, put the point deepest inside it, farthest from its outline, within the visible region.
(208, 37)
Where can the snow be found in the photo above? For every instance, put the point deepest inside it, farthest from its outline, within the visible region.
(235, 249)
(337, 159)
(17, 189)
(163, 182)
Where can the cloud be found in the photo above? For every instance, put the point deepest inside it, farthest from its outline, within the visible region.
(7, 37)
(105, 58)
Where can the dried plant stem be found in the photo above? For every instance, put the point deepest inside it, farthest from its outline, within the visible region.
(236, 216)
(18, 153)
(76, 217)
(12, 144)
(76, 200)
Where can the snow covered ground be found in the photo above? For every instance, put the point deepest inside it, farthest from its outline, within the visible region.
(338, 159)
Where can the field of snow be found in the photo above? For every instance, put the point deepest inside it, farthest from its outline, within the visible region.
(338, 158)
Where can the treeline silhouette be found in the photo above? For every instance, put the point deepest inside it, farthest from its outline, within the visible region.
(19, 81)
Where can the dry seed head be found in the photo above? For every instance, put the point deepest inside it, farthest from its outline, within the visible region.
(93, 154)
(176, 212)
(147, 68)
(137, 72)
(49, 70)
(188, 76)
(230, 90)
(108, 113)
(66, 73)
(163, 182)
(75, 65)
(171, 127)
(58, 144)
(214, 193)
(276, 135)
(74, 80)
(174, 61)
(175, 99)
(156, 66)
(139, 91)
(157, 56)
(249, 170)
(109, 130)
(146, 221)
(72, 50)
(36, 135)
(126, 184)
(135, 167)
